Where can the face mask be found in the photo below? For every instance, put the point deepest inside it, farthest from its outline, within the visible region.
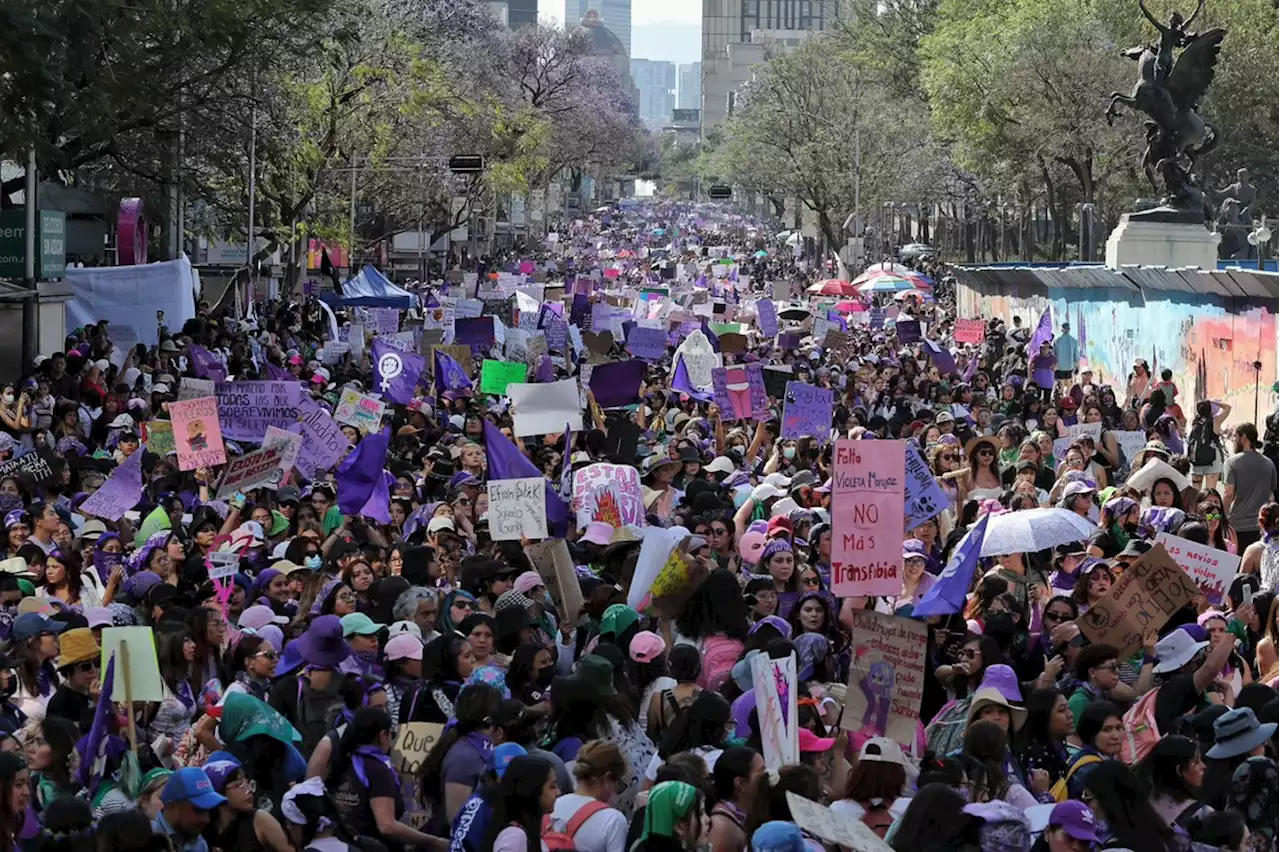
(312, 562)
(8, 399)
(788, 453)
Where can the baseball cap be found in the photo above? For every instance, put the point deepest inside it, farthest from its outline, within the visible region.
(33, 624)
(191, 784)
(720, 464)
(405, 628)
(811, 743)
(504, 754)
(528, 580)
(882, 750)
(1076, 819)
(438, 524)
(778, 836)
(259, 616)
(646, 646)
(98, 616)
(359, 624)
(403, 646)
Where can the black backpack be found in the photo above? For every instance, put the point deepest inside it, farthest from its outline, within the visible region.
(1203, 444)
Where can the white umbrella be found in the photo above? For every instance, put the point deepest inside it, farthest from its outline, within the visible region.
(1032, 530)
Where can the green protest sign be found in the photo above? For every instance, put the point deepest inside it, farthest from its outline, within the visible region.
(496, 375)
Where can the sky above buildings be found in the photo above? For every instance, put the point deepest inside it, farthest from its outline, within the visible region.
(662, 30)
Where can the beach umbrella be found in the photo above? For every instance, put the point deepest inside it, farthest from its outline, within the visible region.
(832, 287)
(851, 307)
(885, 284)
(1033, 530)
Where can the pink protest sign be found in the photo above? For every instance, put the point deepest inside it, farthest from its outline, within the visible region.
(867, 507)
(197, 434)
(970, 331)
(526, 266)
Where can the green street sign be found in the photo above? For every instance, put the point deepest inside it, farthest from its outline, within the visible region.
(51, 243)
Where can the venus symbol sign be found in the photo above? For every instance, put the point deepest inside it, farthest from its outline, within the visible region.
(390, 365)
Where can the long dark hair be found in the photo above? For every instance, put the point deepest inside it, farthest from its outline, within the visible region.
(702, 724)
(1039, 704)
(364, 729)
(1161, 769)
(519, 800)
(1133, 821)
(935, 820)
(71, 568)
(61, 735)
(474, 710)
(716, 606)
(987, 743)
(11, 763)
(174, 667)
(198, 624)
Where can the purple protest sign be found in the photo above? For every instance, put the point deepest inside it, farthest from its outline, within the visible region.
(120, 493)
(908, 331)
(473, 331)
(617, 383)
(647, 343)
(205, 364)
(940, 356)
(104, 563)
(807, 411)
(580, 311)
(767, 315)
(557, 332)
(246, 409)
(323, 443)
(601, 316)
(739, 391)
(789, 340)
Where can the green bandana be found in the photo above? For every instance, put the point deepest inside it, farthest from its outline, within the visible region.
(669, 803)
(244, 716)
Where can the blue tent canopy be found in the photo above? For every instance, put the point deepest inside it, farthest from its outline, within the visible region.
(371, 289)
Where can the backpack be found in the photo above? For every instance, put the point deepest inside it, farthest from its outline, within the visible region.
(876, 817)
(563, 840)
(1061, 790)
(1140, 731)
(719, 653)
(1203, 445)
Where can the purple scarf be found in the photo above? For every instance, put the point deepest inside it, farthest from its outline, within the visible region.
(373, 753)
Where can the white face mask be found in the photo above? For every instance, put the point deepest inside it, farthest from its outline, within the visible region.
(8, 399)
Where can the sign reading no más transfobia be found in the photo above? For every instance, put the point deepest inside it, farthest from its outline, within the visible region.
(51, 243)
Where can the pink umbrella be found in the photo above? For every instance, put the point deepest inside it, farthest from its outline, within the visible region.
(832, 287)
(851, 307)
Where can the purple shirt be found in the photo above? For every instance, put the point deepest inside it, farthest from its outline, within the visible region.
(1042, 370)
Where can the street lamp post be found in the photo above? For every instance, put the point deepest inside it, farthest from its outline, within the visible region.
(1259, 237)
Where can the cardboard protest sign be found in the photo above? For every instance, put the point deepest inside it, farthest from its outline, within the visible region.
(39, 466)
(137, 673)
(924, 497)
(886, 680)
(807, 411)
(495, 376)
(384, 320)
(290, 444)
(413, 743)
(223, 564)
(767, 317)
(323, 443)
(969, 331)
(359, 410)
(1129, 443)
(740, 391)
(157, 435)
(557, 331)
(699, 358)
(120, 493)
(246, 409)
(517, 508)
(867, 509)
(251, 470)
(1143, 598)
(197, 435)
(774, 682)
(1210, 568)
(333, 351)
(458, 352)
(554, 565)
(504, 310)
(544, 409)
(844, 831)
(194, 388)
(609, 493)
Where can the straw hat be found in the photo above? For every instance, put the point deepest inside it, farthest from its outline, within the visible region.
(77, 646)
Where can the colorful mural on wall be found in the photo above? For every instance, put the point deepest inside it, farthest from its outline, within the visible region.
(1211, 343)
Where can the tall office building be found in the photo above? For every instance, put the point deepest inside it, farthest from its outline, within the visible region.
(656, 84)
(736, 36)
(614, 14)
(522, 13)
(689, 86)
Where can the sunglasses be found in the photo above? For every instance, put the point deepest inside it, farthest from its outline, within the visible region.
(1056, 616)
(986, 451)
(946, 457)
(266, 655)
(464, 604)
(811, 581)
(87, 666)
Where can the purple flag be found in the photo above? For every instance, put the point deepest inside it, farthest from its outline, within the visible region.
(120, 493)
(279, 374)
(361, 471)
(948, 593)
(566, 469)
(449, 374)
(617, 383)
(1042, 334)
(940, 356)
(507, 462)
(378, 506)
(546, 371)
(711, 336)
(680, 382)
(205, 364)
(396, 373)
(98, 746)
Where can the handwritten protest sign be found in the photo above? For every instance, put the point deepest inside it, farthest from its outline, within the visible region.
(290, 444)
(1210, 568)
(384, 320)
(495, 376)
(39, 466)
(699, 358)
(323, 443)
(517, 508)
(359, 410)
(120, 493)
(197, 434)
(251, 470)
(824, 823)
(647, 343)
(767, 317)
(223, 564)
(673, 577)
(969, 331)
(554, 565)
(158, 437)
(924, 496)
(1130, 442)
(1144, 597)
(774, 682)
(189, 388)
(246, 409)
(807, 411)
(609, 493)
(740, 392)
(413, 744)
(459, 353)
(908, 330)
(886, 681)
(867, 510)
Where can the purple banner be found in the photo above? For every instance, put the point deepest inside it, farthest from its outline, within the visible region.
(246, 409)
(908, 331)
(739, 391)
(557, 332)
(120, 493)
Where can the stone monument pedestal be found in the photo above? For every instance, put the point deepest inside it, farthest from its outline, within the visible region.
(1162, 237)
